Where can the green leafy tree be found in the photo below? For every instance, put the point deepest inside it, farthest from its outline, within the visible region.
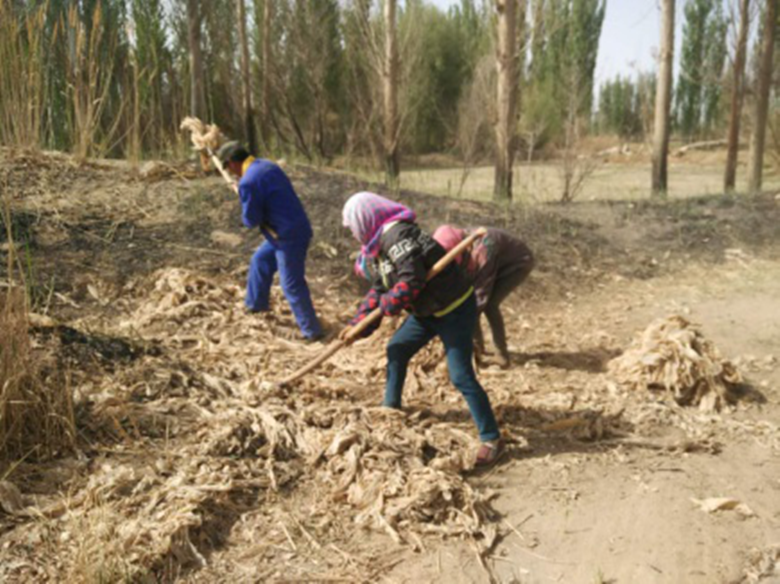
(702, 60)
(714, 64)
(586, 20)
(564, 41)
(450, 43)
(152, 63)
(620, 108)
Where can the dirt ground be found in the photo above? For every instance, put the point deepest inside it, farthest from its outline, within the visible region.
(186, 469)
(623, 513)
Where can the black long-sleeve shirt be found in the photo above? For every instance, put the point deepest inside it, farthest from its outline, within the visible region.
(399, 274)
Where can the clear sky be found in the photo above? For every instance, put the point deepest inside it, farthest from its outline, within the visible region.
(629, 37)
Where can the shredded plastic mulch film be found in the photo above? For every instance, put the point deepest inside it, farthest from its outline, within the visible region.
(673, 355)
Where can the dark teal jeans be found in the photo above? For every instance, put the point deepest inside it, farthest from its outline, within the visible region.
(456, 330)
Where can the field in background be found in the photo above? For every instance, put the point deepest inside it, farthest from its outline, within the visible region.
(627, 179)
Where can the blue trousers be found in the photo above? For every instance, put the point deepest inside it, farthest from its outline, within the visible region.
(291, 264)
(456, 330)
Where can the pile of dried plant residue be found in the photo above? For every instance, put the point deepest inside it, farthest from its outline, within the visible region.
(764, 566)
(402, 474)
(202, 436)
(228, 437)
(673, 355)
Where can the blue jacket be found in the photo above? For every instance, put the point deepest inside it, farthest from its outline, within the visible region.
(269, 200)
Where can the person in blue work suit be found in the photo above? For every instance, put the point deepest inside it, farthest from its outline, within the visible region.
(268, 201)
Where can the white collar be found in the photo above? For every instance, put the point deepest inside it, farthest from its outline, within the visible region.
(388, 226)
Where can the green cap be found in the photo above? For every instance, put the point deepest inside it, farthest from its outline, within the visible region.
(232, 151)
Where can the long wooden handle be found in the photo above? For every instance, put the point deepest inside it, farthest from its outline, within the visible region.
(451, 255)
(376, 314)
(221, 169)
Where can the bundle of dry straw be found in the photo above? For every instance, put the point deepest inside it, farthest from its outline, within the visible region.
(673, 355)
(206, 138)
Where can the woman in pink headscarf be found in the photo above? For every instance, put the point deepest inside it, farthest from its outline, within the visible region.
(496, 264)
(396, 256)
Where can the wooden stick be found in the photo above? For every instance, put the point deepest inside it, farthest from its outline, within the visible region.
(222, 170)
(376, 314)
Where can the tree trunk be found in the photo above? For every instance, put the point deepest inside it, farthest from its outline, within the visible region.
(197, 93)
(246, 79)
(390, 83)
(663, 100)
(520, 44)
(737, 92)
(762, 98)
(265, 98)
(506, 98)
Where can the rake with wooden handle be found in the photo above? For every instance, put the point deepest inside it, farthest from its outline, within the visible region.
(355, 331)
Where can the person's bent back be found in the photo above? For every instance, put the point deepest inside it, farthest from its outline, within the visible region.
(268, 200)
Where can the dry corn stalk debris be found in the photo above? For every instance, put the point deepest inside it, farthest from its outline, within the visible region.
(673, 355)
(11, 500)
(714, 504)
(764, 566)
(396, 473)
(399, 474)
(203, 136)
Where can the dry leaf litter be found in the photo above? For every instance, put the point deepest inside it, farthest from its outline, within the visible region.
(673, 355)
(391, 472)
(234, 435)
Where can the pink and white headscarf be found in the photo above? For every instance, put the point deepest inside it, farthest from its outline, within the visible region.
(366, 213)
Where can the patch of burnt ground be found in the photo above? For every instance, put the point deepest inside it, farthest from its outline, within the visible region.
(85, 350)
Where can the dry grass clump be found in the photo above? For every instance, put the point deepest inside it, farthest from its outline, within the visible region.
(23, 45)
(673, 355)
(36, 416)
(136, 521)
